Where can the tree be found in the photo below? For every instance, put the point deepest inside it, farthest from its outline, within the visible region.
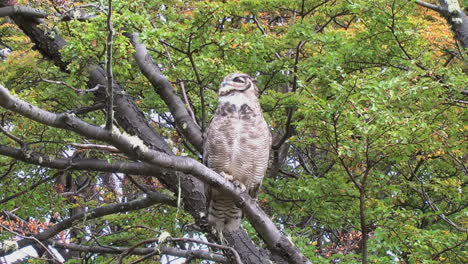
(365, 100)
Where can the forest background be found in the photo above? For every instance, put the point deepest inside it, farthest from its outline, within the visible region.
(366, 102)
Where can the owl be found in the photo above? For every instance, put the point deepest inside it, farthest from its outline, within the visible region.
(237, 146)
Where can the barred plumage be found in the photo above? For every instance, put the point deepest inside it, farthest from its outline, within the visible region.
(237, 145)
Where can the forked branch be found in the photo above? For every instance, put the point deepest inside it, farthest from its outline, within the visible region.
(134, 147)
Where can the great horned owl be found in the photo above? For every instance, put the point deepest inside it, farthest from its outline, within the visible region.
(237, 146)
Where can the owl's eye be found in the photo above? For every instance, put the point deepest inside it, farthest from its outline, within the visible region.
(239, 80)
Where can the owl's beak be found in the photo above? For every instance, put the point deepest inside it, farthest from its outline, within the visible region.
(224, 84)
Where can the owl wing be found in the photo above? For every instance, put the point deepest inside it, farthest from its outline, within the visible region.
(219, 143)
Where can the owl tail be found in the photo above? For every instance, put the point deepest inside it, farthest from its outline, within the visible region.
(223, 214)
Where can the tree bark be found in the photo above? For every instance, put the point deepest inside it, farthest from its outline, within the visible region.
(455, 17)
(132, 120)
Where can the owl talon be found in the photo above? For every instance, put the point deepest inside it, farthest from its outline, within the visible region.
(240, 185)
(226, 176)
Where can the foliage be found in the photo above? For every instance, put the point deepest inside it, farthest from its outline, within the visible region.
(377, 119)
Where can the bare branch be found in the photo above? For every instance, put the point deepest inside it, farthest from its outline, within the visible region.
(264, 33)
(184, 93)
(138, 168)
(429, 5)
(134, 147)
(13, 137)
(27, 11)
(431, 204)
(163, 87)
(455, 16)
(32, 238)
(71, 87)
(234, 252)
(109, 74)
(95, 146)
(128, 115)
(290, 111)
(23, 11)
(151, 199)
(87, 109)
(131, 249)
(199, 254)
(32, 187)
(257, 23)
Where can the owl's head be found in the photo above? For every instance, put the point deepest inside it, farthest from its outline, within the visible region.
(238, 83)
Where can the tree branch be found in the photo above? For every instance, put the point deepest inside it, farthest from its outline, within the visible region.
(13, 137)
(234, 252)
(34, 239)
(32, 187)
(133, 121)
(134, 147)
(429, 5)
(164, 88)
(138, 168)
(95, 146)
(151, 199)
(109, 74)
(431, 204)
(127, 113)
(199, 254)
(455, 17)
(23, 11)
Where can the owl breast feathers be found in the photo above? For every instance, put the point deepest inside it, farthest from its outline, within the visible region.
(237, 146)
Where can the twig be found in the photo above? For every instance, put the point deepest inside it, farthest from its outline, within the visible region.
(287, 131)
(182, 118)
(96, 146)
(138, 185)
(110, 79)
(35, 239)
(144, 257)
(258, 25)
(257, 217)
(34, 186)
(10, 169)
(13, 137)
(71, 87)
(431, 204)
(264, 33)
(200, 254)
(200, 83)
(77, 191)
(234, 252)
(130, 249)
(87, 109)
(182, 87)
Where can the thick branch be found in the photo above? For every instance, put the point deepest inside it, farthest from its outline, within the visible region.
(199, 254)
(131, 120)
(22, 10)
(457, 18)
(429, 5)
(454, 15)
(136, 168)
(127, 113)
(164, 88)
(150, 200)
(133, 147)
